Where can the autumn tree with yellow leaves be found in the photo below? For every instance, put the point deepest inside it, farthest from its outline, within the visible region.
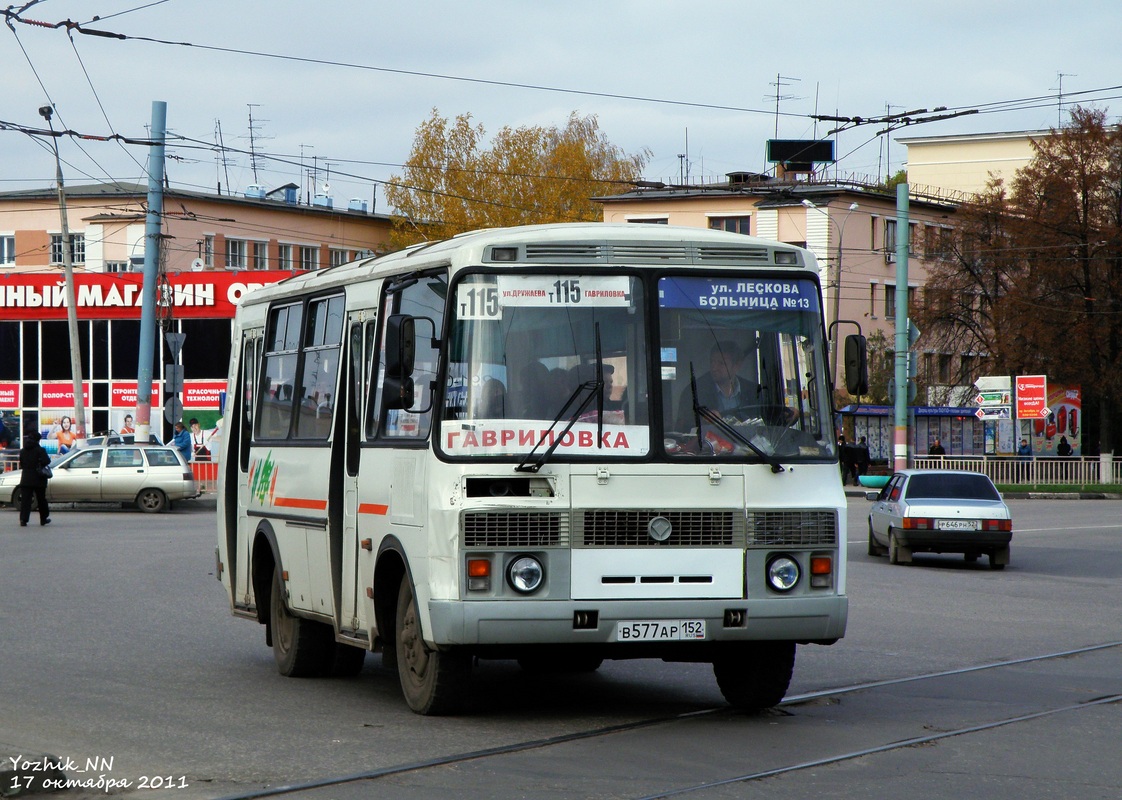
(453, 182)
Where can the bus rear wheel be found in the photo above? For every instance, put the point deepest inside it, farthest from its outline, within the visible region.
(755, 675)
(301, 648)
(432, 681)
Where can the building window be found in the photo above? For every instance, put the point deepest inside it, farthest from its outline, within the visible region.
(7, 250)
(260, 255)
(731, 224)
(284, 257)
(651, 221)
(235, 253)
(208, 252)
(872, 301)
(944, 368)
(890, 236)
(309, 258)
(890, 300)
(338, 257)
(77, 248)
(116, 266)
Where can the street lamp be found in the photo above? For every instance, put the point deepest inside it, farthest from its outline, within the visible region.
(837, 280)
(46, 112)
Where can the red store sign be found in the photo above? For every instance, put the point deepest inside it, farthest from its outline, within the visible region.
(195, 295)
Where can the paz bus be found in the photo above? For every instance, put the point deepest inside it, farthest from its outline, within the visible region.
(554, 444)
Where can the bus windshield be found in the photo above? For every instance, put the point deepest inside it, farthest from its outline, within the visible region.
(521, 347)
(742, 370)
(561, 361)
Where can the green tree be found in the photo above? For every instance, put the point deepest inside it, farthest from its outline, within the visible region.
(453, 183)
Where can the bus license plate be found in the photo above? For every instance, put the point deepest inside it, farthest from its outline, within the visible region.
(957, 525)
(659, 630)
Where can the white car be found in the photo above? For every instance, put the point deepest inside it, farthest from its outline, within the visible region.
(149, 476)
(940, 511)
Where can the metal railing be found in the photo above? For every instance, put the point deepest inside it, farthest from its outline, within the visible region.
(1038, 471)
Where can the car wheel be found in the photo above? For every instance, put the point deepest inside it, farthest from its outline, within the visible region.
(999, 558)
(301, 648)
(151, 501)
(755, 675)
(433, 682)
(874, 548)
(897, 553)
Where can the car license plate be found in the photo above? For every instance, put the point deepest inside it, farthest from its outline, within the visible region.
(957, 525)
(659, 630)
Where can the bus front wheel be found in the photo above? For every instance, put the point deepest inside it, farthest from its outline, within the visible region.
(432, 681)
(756, 675)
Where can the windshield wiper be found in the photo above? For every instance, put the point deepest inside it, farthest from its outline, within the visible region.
(595, 389)
(704, 412)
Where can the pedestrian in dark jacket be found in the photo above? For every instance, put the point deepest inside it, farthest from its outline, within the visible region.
(32, 481)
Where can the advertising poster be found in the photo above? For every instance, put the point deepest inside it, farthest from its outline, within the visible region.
(1063, 425)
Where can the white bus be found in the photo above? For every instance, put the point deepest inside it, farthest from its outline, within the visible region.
(558, 444)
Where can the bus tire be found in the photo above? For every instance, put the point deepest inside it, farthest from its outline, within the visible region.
(301, 648)
(432, 681)
(755, 675)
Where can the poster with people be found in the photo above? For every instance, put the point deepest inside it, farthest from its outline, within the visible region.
(1060, 432)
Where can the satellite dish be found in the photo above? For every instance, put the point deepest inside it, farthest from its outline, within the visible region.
(197, 265)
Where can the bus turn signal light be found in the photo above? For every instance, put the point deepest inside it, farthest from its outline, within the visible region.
(479, 574)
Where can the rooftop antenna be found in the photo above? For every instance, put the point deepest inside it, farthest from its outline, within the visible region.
(684, 162)
(780, 82)
(1060, 96)
(253, 137)
(222, 163)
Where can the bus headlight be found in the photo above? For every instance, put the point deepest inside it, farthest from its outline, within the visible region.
(525, 574)
(783, 573)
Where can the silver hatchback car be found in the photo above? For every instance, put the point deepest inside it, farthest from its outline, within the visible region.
(940, 511)
(150, 477)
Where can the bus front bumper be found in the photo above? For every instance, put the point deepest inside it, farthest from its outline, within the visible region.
(485, 623)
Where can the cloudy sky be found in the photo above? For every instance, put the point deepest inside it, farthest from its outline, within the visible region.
(343, 84)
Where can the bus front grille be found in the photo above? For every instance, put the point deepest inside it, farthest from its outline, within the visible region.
(792, 529)
(629, 528)
(514, 529)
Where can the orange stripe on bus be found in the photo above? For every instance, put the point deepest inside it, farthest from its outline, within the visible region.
(300, 502)
(373, 508)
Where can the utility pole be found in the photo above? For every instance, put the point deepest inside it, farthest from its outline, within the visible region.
(902, 345)
(79, 426)
(153, 223)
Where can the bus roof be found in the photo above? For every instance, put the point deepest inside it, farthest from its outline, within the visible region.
(572, 244)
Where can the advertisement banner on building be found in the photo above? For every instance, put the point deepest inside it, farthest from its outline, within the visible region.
(118, 295)
(10, 398)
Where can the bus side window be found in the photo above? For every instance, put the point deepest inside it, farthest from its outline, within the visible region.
(423, 299)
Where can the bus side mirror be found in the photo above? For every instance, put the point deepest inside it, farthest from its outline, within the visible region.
(398, 393)
(401, 346)
(856, 365)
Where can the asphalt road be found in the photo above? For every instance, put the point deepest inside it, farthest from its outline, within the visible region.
(117, 652)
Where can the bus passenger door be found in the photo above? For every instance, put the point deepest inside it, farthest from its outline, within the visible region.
(348, 438)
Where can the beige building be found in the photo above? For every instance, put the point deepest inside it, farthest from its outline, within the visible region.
(956, 167)
(851, 228)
